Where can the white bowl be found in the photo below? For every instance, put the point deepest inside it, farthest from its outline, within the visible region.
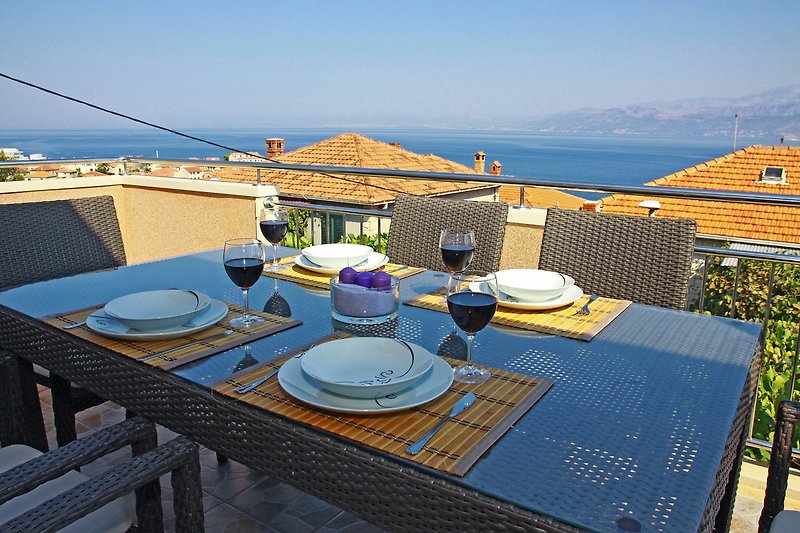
(157, 310)
(366, 367)
(337, 255)
(533, 285)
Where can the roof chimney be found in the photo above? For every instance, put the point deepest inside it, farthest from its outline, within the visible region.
(274, 147)
(495, 168)
(480, 162)
(591, 206)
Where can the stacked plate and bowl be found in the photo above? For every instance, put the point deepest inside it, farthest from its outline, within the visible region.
(366, 375)
(331, 258)
(533, 289)
(157, 315)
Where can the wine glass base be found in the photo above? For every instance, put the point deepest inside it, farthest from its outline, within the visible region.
(471, 374)
(246, 321)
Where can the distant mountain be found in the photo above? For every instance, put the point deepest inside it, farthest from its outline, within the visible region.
(769, 114)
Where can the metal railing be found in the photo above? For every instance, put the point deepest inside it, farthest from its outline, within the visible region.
(315, 205)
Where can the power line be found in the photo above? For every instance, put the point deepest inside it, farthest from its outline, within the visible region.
(175, 132)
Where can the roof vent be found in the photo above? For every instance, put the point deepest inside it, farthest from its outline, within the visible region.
(773, 175)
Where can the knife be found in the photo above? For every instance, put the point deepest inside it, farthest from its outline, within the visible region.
(198, 341)
(460, 406)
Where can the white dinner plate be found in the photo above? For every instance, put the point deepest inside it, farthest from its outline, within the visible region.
(373, 261)
(432, 385)
(102, 323)
(366, 367)
(569, 297)
(157, 310)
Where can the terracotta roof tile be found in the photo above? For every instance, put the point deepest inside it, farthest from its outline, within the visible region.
(355, 150)
(540, 197)
(738, 171)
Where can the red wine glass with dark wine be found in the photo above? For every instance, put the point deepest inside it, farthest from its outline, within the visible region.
(472, 302)
(244, 263)
(457, 247)
(274, 223)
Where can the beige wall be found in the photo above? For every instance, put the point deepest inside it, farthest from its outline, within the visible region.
(157, 223)
(521, 246)
(160, 217)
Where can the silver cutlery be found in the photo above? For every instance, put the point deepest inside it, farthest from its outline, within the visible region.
(247, 388)
(460, 406)
(585, 309)
(72, 326)
(198, 341)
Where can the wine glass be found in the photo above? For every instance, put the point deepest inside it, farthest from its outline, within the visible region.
(472, 301)
(274, 223)
(244, 263)
(457, 247)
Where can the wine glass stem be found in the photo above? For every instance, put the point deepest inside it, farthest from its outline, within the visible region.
(274, 256)
(246, 314)
(470, 343)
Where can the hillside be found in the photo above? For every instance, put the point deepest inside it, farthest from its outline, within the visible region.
(769, 114)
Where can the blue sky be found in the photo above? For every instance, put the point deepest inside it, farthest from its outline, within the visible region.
(441, 63)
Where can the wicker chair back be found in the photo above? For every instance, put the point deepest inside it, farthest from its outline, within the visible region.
(46, 240)
(778, 473)
(417, 223)
(642, 259)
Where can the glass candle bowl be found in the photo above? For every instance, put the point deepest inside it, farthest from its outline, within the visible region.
(355, 304)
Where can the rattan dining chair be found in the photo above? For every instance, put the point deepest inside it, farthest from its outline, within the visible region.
(44, 492)
(417, 223)
(774, 518)
(642, 259)
(55, 239)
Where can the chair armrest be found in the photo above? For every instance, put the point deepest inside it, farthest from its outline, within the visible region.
(179, 456)
(780, 459)
(53, 464)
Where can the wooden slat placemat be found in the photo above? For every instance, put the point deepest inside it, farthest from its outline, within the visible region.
(137, 349)
(299, 274)
(501, 401)
(561, 321)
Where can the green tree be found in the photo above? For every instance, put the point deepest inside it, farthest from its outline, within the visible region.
(781, 335)
(9, 173)
(103, 168)
(298, 222)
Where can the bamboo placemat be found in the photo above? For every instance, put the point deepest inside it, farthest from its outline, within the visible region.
(299, 274)
(501, 401)
(561, 321)
(137, 349)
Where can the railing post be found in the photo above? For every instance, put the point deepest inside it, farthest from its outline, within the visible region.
(735, 287)
(703, 284)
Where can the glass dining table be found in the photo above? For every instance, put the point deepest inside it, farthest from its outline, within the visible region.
(642, 430)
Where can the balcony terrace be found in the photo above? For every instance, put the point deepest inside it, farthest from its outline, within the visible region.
(164, 217)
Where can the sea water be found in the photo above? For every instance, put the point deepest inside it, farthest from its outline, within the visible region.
(600, 159)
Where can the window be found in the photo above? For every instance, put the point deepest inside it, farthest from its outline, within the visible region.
(773, 175)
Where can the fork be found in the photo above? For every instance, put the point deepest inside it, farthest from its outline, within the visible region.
(250, 386)
(585, 309)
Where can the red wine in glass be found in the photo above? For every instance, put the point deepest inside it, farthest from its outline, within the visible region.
(244, 272)
(274, 223)
(456, 258)
(244, 262)
(274, 230)
(472, 302)
(471, 311)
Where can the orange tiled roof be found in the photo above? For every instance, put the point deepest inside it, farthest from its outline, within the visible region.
(92, 173)
(738, 171)
(356, 150)
(540, 197)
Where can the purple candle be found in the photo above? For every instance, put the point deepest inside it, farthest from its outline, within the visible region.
(364, 279)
